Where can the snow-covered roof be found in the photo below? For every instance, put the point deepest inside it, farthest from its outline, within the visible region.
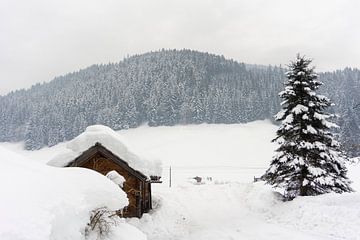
(111, 141)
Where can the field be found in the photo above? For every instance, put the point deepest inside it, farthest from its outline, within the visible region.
(226, 204)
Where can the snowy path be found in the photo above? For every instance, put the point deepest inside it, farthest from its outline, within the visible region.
(228, 211)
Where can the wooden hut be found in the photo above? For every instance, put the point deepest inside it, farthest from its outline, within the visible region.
(137, 186)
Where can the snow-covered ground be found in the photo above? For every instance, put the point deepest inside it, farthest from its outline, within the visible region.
(227, 205)
(39, 202)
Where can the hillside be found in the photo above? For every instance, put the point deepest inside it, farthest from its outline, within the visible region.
(167, 87)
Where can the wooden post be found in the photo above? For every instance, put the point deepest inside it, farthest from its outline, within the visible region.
(170, 177)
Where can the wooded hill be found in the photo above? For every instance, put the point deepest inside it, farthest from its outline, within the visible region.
(167, 87)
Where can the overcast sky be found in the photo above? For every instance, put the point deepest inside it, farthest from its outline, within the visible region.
(41, 39)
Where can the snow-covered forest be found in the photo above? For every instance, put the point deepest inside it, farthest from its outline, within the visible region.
(167, 87)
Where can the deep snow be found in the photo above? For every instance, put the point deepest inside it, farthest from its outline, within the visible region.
(113, 142)
(249, 211)
(229, 206)
(39, 202)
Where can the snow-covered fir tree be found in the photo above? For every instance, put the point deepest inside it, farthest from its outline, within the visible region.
(308, 160)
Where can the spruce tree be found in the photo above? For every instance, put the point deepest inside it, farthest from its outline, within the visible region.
(308, 160)
(350, 133)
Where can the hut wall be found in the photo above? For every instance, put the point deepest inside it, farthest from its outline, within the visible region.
(147, 197)
(132, 185)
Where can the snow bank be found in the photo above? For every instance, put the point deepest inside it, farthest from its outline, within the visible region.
(45, 203)
(335, 216)
(240, 210)
(244, 210)
(110, 140)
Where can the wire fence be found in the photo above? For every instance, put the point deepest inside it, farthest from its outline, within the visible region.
(173, 175)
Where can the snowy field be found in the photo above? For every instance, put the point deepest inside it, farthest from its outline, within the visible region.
(227, 205)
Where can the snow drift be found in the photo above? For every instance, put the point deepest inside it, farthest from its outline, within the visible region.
(249, 211)
(229, 207)
(41, 202)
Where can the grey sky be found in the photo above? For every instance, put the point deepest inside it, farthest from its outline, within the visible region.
(41, 39)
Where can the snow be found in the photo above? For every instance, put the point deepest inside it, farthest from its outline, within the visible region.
(288, 90)
(116, 178)
(289, 119)
(323, 98)
(300, 73)
(316, 171)
(113, 142)
(305, 117)
(312, 145)
(249, 211)
(305, 84)
(280, 114)
(299, 109)
(329, 124)
(320, 116)
(311, 129)
(41, 202)
(229, 206)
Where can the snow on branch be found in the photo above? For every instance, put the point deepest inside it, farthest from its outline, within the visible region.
(299, 109)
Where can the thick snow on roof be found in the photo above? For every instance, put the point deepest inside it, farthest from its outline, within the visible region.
(111, 141)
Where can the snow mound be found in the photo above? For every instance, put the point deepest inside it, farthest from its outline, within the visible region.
(113, 142)
(239, 210)
(116, 178)
(45, 203)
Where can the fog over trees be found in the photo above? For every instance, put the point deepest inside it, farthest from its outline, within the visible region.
(167, 87)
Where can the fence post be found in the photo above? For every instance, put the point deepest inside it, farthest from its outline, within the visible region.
(170, 177)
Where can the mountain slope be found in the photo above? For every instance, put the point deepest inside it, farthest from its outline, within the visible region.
(167, 87)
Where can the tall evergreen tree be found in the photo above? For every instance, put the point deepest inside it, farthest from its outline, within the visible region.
(308, 160)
